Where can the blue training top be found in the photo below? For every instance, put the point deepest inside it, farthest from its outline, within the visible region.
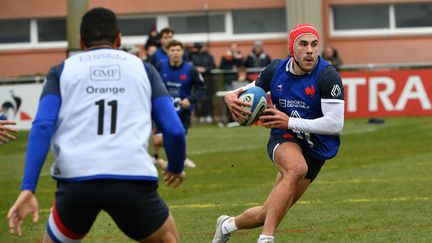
(300, 96)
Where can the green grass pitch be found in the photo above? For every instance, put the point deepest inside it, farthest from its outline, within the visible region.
(377, 189)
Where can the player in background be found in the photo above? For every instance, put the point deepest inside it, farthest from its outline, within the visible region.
(161, 54)
(305, 122)
(97, 109)
(185, 85)
(6, 131)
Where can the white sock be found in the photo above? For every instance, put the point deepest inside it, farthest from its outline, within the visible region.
(229, 226)
(266, 239)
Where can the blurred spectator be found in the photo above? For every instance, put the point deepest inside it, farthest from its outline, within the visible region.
(161, 54)
(166, 35)
(132, 49)
(149, 49)
(331, 55)
(231, 60)
(257, 58)
(153, 37)
(242, 78)
(204, 63)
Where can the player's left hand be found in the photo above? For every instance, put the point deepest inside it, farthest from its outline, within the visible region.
(172, 179)
(274, 118)
(185, 103)
(25, 204)
(7, 133)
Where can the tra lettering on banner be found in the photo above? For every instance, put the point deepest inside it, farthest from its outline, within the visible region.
(388, 93)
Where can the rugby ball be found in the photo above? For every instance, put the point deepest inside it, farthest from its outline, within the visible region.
(257, 97)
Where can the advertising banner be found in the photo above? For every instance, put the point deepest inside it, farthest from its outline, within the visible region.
(388, 93)
(20, 101)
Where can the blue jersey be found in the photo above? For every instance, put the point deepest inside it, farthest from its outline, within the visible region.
(182, 82)
(300, 96)
(159, 56)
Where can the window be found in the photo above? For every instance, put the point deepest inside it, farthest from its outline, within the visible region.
(14, 31)
(198, 24)
(413, 15)
(135, 26)
(354, 17)
(381, 19)
(259, 21)
(51, 30)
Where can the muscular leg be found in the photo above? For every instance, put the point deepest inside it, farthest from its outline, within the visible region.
(167, 233)
(256, 216)
(292, 170)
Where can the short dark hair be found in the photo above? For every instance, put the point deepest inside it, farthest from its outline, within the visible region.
(175, 43)
(166, 30)
(99, 26)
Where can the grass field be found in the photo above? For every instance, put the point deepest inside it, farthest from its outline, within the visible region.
(378, 188)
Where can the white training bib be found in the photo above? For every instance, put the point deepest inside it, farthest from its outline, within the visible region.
(104, 122)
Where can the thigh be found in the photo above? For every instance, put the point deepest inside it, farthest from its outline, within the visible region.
(313, 165)
(136, 208)
(74, 211)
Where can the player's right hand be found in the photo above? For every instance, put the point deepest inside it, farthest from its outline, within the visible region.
(172, 179)
(236, 106)
(25, 204)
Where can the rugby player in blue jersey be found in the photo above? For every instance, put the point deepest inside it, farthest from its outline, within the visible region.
(185, 85)
(306, 120)
(96, 109)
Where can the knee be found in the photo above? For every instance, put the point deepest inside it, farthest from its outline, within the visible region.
(295, 171)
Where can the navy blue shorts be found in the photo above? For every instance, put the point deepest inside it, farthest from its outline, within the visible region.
(314, 164)
(134, 205)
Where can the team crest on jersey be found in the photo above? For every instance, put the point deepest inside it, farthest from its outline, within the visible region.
(279, 87)
(310, 91)
(183, 77)
(336, 91)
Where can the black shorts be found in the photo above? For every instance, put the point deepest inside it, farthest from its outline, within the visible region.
(135, 207)
(185, 118)
(314, 164)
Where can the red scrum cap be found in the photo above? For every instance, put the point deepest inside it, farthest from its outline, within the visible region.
(299, 30)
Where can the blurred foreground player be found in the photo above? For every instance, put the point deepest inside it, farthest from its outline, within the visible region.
(97, 108)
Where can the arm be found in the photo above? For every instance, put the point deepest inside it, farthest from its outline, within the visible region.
(40, 140)
(331, 123)
(167, 120)
(231, 98)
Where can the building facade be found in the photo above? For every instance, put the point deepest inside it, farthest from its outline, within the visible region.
(33, 33)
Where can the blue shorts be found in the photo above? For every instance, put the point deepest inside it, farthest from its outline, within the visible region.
(134, 205)
(314, 164)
